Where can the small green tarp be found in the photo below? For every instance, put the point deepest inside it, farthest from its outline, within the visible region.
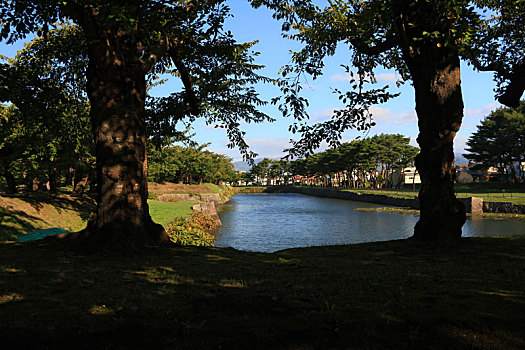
(33, 236)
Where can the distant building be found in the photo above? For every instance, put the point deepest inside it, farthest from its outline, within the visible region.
(405, 177)
(491, 174)
(463, 174)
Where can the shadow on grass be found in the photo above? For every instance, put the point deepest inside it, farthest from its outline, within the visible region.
(83, 205)
(11, 221)
(380, 295)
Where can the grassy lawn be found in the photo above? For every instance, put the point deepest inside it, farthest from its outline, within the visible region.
(29, 212)
(213, 187)
(389, 295)
(164, 212)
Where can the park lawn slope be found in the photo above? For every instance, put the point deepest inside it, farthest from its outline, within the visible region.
(28, 212)
(396, 295)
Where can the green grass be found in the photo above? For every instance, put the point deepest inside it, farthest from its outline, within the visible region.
(29, 212)
(391, 193)
(165, 212)
(389, 295)
(493, 192)
(213, 187)
(24, 213)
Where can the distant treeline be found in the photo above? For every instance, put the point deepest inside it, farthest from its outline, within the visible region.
(360, 163)
(190, 165)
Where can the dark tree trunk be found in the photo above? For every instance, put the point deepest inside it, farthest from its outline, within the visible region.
(80, 184)
(10, 180)
(117, 90)
(435, 72)
(70, 177)
(53, 180)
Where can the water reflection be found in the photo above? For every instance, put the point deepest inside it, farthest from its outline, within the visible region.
(270, 222)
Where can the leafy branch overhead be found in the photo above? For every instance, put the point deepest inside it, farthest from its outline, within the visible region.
(386, 34)
(186, 40)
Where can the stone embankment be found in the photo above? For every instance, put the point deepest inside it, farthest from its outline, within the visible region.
(207, 203)
(472, 204)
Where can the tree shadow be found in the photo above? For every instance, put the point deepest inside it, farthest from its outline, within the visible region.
(84, 205)
(387, 295)
(16, 219)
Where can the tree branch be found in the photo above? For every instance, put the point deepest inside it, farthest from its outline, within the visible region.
(186, 80)
(513, 92)
(389, 42)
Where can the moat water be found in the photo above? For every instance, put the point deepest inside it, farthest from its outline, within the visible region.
(267, 222)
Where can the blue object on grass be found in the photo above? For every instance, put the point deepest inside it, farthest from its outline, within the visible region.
(33, 236)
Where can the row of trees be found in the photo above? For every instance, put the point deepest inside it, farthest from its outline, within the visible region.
(44, 156)
(500, 141)
(191, 165)
(45, 131)
(357, 164)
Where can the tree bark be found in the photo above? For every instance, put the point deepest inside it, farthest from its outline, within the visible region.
(117, 90)
(435, 72)
(80, 184)
(53, 179)
(10, 180)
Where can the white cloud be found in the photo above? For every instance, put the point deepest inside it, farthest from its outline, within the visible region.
(322, 115)
(479, 113)
(210, 126)
(387, 77)
(308, 86)
(405, 118)
(381, 115)
(340, 77)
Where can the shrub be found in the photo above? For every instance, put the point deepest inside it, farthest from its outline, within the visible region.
(153, 196)
(170, 199)
(193, 230)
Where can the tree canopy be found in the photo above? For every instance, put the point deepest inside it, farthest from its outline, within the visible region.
(499, 140)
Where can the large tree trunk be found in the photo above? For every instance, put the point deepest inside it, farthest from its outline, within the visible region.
(117, 90)
(435, 72)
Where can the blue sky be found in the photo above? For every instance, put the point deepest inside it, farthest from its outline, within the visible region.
(396, 116)
(268, 140)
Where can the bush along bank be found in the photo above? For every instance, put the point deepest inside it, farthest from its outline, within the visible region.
(197, 229)
(200, 228)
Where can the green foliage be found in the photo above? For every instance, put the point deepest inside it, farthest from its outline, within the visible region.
(48, 131)
(498, 46)
(499, 140)
(193, 230)
(370, 159)
(388, 34)
(192, 164)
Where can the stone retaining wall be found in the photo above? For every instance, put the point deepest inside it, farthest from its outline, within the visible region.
(472, 204)
(207, 203)
(503, 207)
